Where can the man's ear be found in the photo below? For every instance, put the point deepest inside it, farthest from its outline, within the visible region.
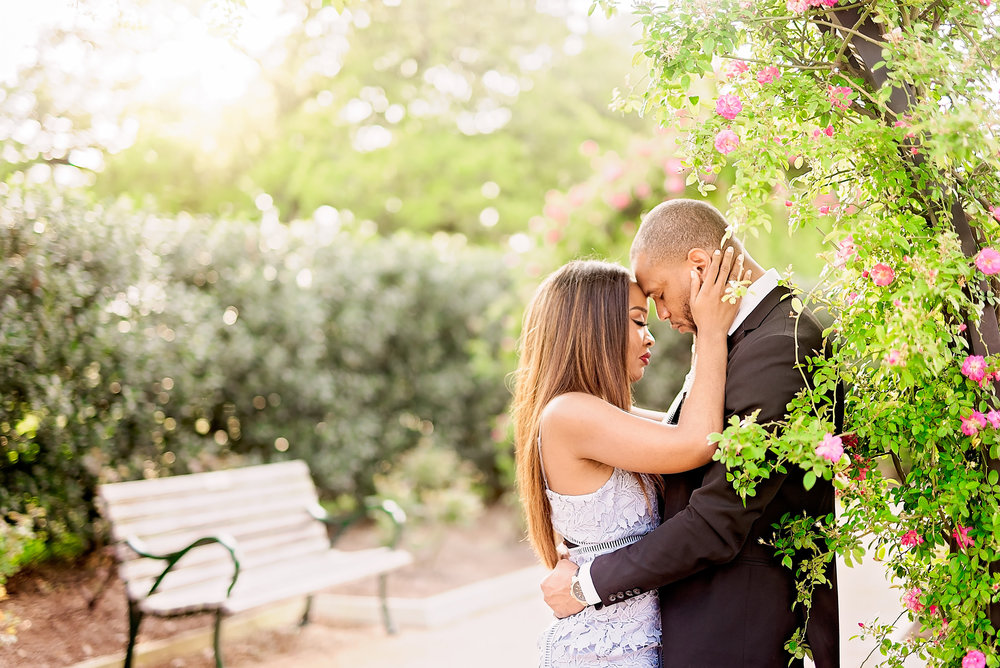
(699, 259)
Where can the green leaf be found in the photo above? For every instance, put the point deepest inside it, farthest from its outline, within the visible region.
(808, 480)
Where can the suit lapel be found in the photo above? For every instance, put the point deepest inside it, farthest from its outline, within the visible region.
(757, 316)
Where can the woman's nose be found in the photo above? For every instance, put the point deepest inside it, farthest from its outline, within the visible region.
(648, 341)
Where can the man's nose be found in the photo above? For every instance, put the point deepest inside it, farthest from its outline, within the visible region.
(661, 311)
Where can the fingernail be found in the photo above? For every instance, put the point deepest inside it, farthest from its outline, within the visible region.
(717, 252)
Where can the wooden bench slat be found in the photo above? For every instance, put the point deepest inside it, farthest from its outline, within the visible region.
(289, 493)
(252, 476)
(276, 582)
(218, 518)
(212, 561)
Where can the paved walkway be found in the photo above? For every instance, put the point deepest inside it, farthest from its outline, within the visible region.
(504, 636)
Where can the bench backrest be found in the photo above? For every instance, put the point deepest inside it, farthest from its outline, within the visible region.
(265, 508)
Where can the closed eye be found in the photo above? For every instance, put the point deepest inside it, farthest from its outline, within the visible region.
(640, 323)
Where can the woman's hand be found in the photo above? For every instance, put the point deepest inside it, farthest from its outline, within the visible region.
(711, 314)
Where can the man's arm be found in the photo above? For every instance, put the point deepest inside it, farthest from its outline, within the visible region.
(714, 526)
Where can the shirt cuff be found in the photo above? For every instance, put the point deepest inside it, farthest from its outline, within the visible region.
(587, 584)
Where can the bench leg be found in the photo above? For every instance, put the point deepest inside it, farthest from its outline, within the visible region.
(390, 628)
(134, 619)
(217, 640)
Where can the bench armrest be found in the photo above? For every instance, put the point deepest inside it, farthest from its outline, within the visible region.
(340, 524)
(226, 541)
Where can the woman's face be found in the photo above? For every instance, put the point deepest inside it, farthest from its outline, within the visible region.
(639, 338)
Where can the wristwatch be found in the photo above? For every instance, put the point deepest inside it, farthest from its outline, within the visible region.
(576, 589)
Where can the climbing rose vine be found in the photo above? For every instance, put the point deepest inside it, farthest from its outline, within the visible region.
(875, 122)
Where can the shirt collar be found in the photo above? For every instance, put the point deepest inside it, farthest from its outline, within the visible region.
(754, 296)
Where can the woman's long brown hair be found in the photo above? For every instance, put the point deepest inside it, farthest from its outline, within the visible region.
(574, 338)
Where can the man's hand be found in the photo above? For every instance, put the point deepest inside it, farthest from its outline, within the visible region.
(555, 588)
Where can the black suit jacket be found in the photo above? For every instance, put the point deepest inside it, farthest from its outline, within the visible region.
(725, 599)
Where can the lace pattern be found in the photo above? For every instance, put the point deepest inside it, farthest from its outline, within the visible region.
(624, 634)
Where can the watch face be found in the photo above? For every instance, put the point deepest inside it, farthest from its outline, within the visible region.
(577, 590)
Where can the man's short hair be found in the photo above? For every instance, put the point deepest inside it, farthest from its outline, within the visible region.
(674, 227)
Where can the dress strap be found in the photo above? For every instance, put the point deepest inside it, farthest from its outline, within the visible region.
(541, 463)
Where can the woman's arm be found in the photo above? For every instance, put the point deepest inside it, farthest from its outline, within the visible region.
(655, 416)
(587, 427)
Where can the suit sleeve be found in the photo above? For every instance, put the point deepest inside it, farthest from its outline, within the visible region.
(714, 526)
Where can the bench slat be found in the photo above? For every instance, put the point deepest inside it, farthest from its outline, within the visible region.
(214, 561)
(278, 581)
(218, 517)
(289, 492)
(248, 476)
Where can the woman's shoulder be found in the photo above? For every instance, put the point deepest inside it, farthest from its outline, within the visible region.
(573, 410)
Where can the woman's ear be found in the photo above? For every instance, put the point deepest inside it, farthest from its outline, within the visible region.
(699, 259)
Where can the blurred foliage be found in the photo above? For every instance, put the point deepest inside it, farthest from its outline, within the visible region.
(447, 116)
(140, 346)
(433, 485)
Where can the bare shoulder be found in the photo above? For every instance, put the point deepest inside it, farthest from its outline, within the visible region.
(574, 411)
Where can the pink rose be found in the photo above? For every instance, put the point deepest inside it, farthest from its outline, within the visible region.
(882, 274)
(911, 600)
(911, 539)
(612, 172)
(845, 251)
(961, 535)
(988, 261)
(830, 448)
(734, 68)
(555, 212)
(974, 658)
(894, 358)
(974, 368)
(993, 417)
(895, 35)
(728, 106)
(970, 425)
(824, 209)
(840, 96)
(768, 74)
(726, 141)
(797, 6)
(619, 200)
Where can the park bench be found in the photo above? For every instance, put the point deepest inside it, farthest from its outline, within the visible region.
(228, 541)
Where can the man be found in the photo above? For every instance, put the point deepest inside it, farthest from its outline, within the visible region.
(725, 600)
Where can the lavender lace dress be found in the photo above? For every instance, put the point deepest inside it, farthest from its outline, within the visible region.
(624, 634)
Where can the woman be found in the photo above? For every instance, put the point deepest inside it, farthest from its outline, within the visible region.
(586, 457)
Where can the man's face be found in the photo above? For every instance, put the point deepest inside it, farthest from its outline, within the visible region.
(668, 284)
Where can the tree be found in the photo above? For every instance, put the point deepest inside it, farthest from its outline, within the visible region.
(446, 116)
(877, 122)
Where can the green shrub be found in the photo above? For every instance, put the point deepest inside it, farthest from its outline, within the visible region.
(134, 346)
